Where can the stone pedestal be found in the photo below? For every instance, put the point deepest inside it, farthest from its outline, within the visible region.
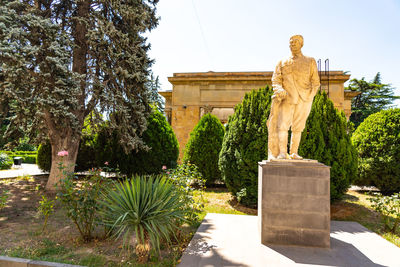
(294, 203)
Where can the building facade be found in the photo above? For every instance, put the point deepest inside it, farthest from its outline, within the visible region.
(195, 94)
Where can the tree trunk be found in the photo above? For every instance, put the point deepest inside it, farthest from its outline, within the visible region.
(62, 165)
(68, 140)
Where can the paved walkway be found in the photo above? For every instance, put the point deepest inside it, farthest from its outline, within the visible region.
(25, 169)
(233, 240)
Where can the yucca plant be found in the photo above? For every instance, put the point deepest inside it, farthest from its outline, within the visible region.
(148, 206)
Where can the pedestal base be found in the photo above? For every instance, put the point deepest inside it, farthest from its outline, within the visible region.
(294, 203)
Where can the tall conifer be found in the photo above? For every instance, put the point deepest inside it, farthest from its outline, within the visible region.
(204, 146)
(61, 60)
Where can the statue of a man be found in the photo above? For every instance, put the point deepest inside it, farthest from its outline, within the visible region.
(295, 83)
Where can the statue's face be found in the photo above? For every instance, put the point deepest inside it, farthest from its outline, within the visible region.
(295, 44)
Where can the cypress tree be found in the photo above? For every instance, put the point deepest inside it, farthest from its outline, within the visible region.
(245, 144)
(327, 139)
(204, 146)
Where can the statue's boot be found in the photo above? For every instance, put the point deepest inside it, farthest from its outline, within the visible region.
(294, 145)
(283, 139)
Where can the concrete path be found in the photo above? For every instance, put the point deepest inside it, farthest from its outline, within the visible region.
(25, 169)
(233, 240)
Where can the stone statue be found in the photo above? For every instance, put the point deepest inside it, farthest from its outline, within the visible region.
(295, 83)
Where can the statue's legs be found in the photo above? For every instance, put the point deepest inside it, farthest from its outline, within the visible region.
(294, 145)
(284, 121)
(283, 139)
(301, 112)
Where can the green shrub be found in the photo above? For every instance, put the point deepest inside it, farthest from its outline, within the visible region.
(377, 141)
(149, 207)
(327, 139)
(24, 145)
(43, 159)
(159, 137)
(45, 209)
(245, 144)
(29, 159)
(389, 207)
(81, 203)
(188, 180)
(27, 156)
(5, 162)
(204, 146)
(86, 158)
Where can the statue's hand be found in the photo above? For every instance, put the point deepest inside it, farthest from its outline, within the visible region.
(281, 94)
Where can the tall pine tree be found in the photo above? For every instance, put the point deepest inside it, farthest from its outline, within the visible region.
(62, 60)
(374, 96)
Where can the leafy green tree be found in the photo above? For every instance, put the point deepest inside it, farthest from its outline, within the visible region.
(327, 139)
(62, 60)
(204, 146)
(377, 141)
(245, 144)
(374, 96)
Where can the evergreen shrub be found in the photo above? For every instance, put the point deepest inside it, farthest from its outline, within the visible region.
(27, 156)
(159, 137)
(204, 146)
(86, 158)
(43, 159)
(5, 162)
(327, 139)
(377, 141)
(245, 144)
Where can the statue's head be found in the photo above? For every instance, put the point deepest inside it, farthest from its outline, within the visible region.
(296, 43)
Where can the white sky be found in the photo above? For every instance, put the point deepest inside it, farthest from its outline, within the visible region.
(359, 36)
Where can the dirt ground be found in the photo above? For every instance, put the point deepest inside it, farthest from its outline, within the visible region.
(21, 230)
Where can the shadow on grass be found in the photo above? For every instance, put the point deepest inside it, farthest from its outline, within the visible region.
(222, 194)
(239, 207)
(374, 221)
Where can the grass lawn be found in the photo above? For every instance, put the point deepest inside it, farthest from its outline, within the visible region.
(21, 236)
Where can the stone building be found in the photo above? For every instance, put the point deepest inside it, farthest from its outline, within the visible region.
(195, 94)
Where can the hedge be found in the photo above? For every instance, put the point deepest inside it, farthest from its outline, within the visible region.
(27, 156)
(377, 140)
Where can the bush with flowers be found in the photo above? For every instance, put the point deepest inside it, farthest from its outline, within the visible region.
(80, 199)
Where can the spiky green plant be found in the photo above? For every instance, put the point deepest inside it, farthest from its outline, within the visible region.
(148, 206)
